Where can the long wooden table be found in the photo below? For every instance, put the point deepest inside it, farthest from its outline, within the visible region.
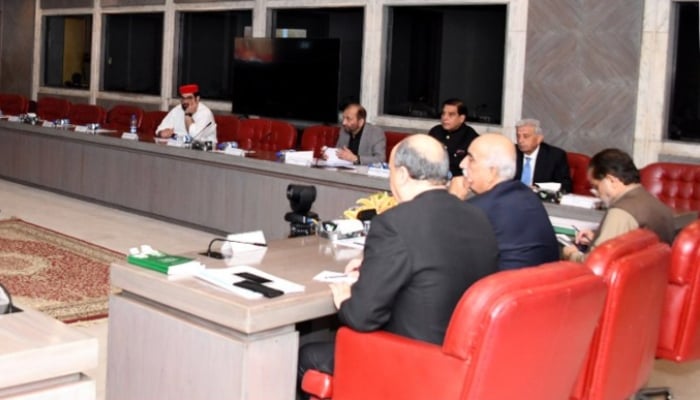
(187, 339)
(210, 191)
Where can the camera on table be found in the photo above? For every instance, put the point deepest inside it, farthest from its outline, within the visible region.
(302, 221)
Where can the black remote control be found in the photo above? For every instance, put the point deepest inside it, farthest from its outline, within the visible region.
(259, 288)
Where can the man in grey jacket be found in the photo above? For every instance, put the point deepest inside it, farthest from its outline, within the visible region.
(359, 142)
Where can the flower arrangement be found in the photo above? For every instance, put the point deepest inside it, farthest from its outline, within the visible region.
(379, 202)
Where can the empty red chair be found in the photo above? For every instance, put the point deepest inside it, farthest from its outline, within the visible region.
(52, 108)
(676, 184)
(119, 117)
(635, 268)
(519, 334)
(316, 137)
(392, 139)
(83, 114)
(226, 127)
(13, 104)
(266, 134)
(578, 169)
(151, 120)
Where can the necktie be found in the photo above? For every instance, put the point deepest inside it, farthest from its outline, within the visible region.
(526, 176)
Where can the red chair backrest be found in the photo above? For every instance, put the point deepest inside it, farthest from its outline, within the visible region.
(82, 114)
(392, 139)
(52, 108)
(315, 137)
(679, 339)
(635, 268)
(119, 117)
(151, 120)
(13, 104)
(677, 185)
(578, 169)
(227, 127)
(266, 134)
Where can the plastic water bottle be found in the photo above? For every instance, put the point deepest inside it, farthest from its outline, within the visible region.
(134, 125)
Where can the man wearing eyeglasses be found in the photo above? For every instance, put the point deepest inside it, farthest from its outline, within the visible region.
(192, 118)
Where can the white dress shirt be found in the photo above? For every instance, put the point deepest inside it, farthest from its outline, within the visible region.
(203, 128)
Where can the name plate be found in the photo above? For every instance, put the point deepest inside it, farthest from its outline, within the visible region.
(130, 136)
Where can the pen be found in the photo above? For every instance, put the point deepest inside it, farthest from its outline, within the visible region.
(251, 243)
(576, 228)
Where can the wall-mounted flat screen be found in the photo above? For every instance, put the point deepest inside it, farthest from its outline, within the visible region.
(289, 78)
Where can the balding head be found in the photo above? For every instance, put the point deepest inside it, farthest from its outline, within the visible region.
(417, 163)
(490, 160)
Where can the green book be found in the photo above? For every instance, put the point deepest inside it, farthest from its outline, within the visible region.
(166, 263)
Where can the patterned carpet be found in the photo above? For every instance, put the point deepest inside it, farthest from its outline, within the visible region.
(64, 277)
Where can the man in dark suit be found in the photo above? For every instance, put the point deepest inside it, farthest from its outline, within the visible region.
(523, 230)
(419, 257)
(538, 161)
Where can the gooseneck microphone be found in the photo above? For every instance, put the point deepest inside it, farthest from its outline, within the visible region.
(218, 255)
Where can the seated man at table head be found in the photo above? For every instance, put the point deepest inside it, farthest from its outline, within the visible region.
(538, 161)
(524, 233)
(614, 177)
(419, 257)
(191, 118)
(360, 142)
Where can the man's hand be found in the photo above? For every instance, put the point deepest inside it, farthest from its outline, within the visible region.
(353, 267)
(568, 251)
(166, 133)
(341, 292)
(458, 188)
(347, 155)
(584, 236)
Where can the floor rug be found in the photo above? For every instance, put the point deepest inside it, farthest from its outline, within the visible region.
(61, 276)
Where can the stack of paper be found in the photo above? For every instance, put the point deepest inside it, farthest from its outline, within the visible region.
(332, 160)
(577, 200)
(226, 277)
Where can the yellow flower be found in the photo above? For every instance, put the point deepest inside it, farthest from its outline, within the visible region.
(379, 202)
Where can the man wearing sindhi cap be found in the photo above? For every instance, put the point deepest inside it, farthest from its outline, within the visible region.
(191, 118)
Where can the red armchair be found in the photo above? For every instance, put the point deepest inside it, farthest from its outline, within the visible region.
(13, 104)
(315, 137)
(635, 268)
(83, 114)
(266, 134)
(578, 169)
(392, 139)
(151, 120)
(52, 108)
(675, 184)
(515, 334)
(227, 127)
(119, 117)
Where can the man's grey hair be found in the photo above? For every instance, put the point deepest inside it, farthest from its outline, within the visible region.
(419, 167)
(503, 162)
(530, 122)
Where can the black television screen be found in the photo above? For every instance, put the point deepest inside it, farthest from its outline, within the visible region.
(286, 78)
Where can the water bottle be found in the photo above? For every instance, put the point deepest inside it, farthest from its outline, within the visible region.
(134, 125)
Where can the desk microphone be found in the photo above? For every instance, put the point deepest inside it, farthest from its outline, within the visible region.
(218, 255)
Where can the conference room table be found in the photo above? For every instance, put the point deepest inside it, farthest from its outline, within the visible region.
(210, 191)
(184, 338)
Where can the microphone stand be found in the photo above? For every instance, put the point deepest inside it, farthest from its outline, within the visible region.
(218, 255)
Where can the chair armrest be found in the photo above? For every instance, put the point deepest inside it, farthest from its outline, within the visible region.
(392, 366)
(318, 384)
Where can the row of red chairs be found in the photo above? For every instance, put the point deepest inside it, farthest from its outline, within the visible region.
(545, 332)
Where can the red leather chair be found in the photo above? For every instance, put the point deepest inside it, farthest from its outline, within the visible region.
(578, 169)
(83, 114)
(151, 120)
(514, 335)
(635, 268)
(52, 108)
(227, 127)
(266, 134)
(13, 104)
(119, 117)
(675, 184)
(392, 139)
(315, 137)
(679, 338)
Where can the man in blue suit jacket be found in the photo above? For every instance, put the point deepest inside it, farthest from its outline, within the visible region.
(548, 163)
(524, 233)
